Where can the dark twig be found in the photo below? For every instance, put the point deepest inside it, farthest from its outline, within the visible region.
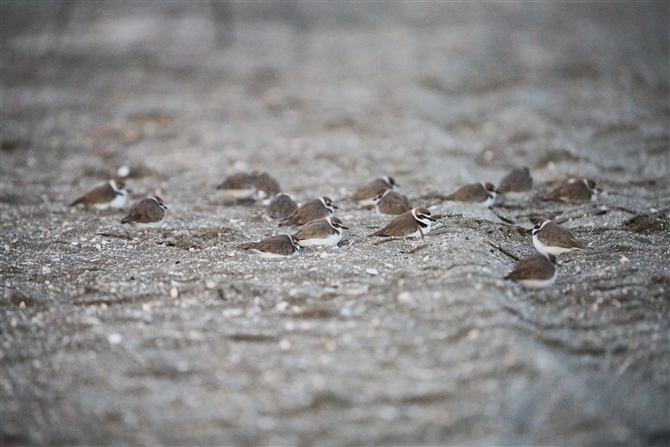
(503, 251)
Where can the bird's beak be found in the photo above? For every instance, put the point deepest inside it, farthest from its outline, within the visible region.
(343, 227)
(334, 206)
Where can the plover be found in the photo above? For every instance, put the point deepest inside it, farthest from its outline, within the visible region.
(314, 209)
(281, 206)
(239, 186)
(326, 231)
(483, 193)
(516, 184)
(549, 238)
(147, 213)
(414, 223)
(111, 194)
(535, 271)
(265, 185)
(365, 195)
(280, 246)
(574, 190)
(392, 202)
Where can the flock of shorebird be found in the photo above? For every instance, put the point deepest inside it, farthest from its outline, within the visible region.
(318, 226)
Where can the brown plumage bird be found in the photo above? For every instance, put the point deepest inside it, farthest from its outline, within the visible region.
(483, 193)
(535, 271)
(414, 223)
(574, 190)
(549, 238)
(147, 213)
(281, 206)
(326, 231)
(314, 209)
(266, 186)
(239, 186)
(111, 194)
(365, 195)
(279, 246)
(516, 183)
(392, 202)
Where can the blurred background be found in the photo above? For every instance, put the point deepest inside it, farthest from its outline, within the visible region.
(325, 96)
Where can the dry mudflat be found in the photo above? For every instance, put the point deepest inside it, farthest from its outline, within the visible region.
(180, 336)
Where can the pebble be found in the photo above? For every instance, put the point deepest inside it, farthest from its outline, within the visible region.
(210, 284)
(282, 306)
(624, 260)
(114, 338)
(284, 344)
(372, 271)
(234, 312)
(123, 171)
(174, 292)
(404, 297)
(346, 311)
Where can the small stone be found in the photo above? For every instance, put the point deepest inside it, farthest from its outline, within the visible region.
(46, 270)
(284, 344)
(234, 312)
(22, 305)
(281, 306)
(372, 271)
(174, 292)
(210, 284)
(123, 171)
(114, 338)
(404, 297)
(624, 260)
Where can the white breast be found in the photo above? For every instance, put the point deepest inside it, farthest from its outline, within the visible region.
(538, 283)
(148, 225)
(333, 239)
(120, 201)
(417, 233)
(269, 255)
(488, 202)
(239, 193)
(546, 250)
(367, 202)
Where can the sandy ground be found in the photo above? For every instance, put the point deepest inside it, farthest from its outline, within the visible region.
(179, 336)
